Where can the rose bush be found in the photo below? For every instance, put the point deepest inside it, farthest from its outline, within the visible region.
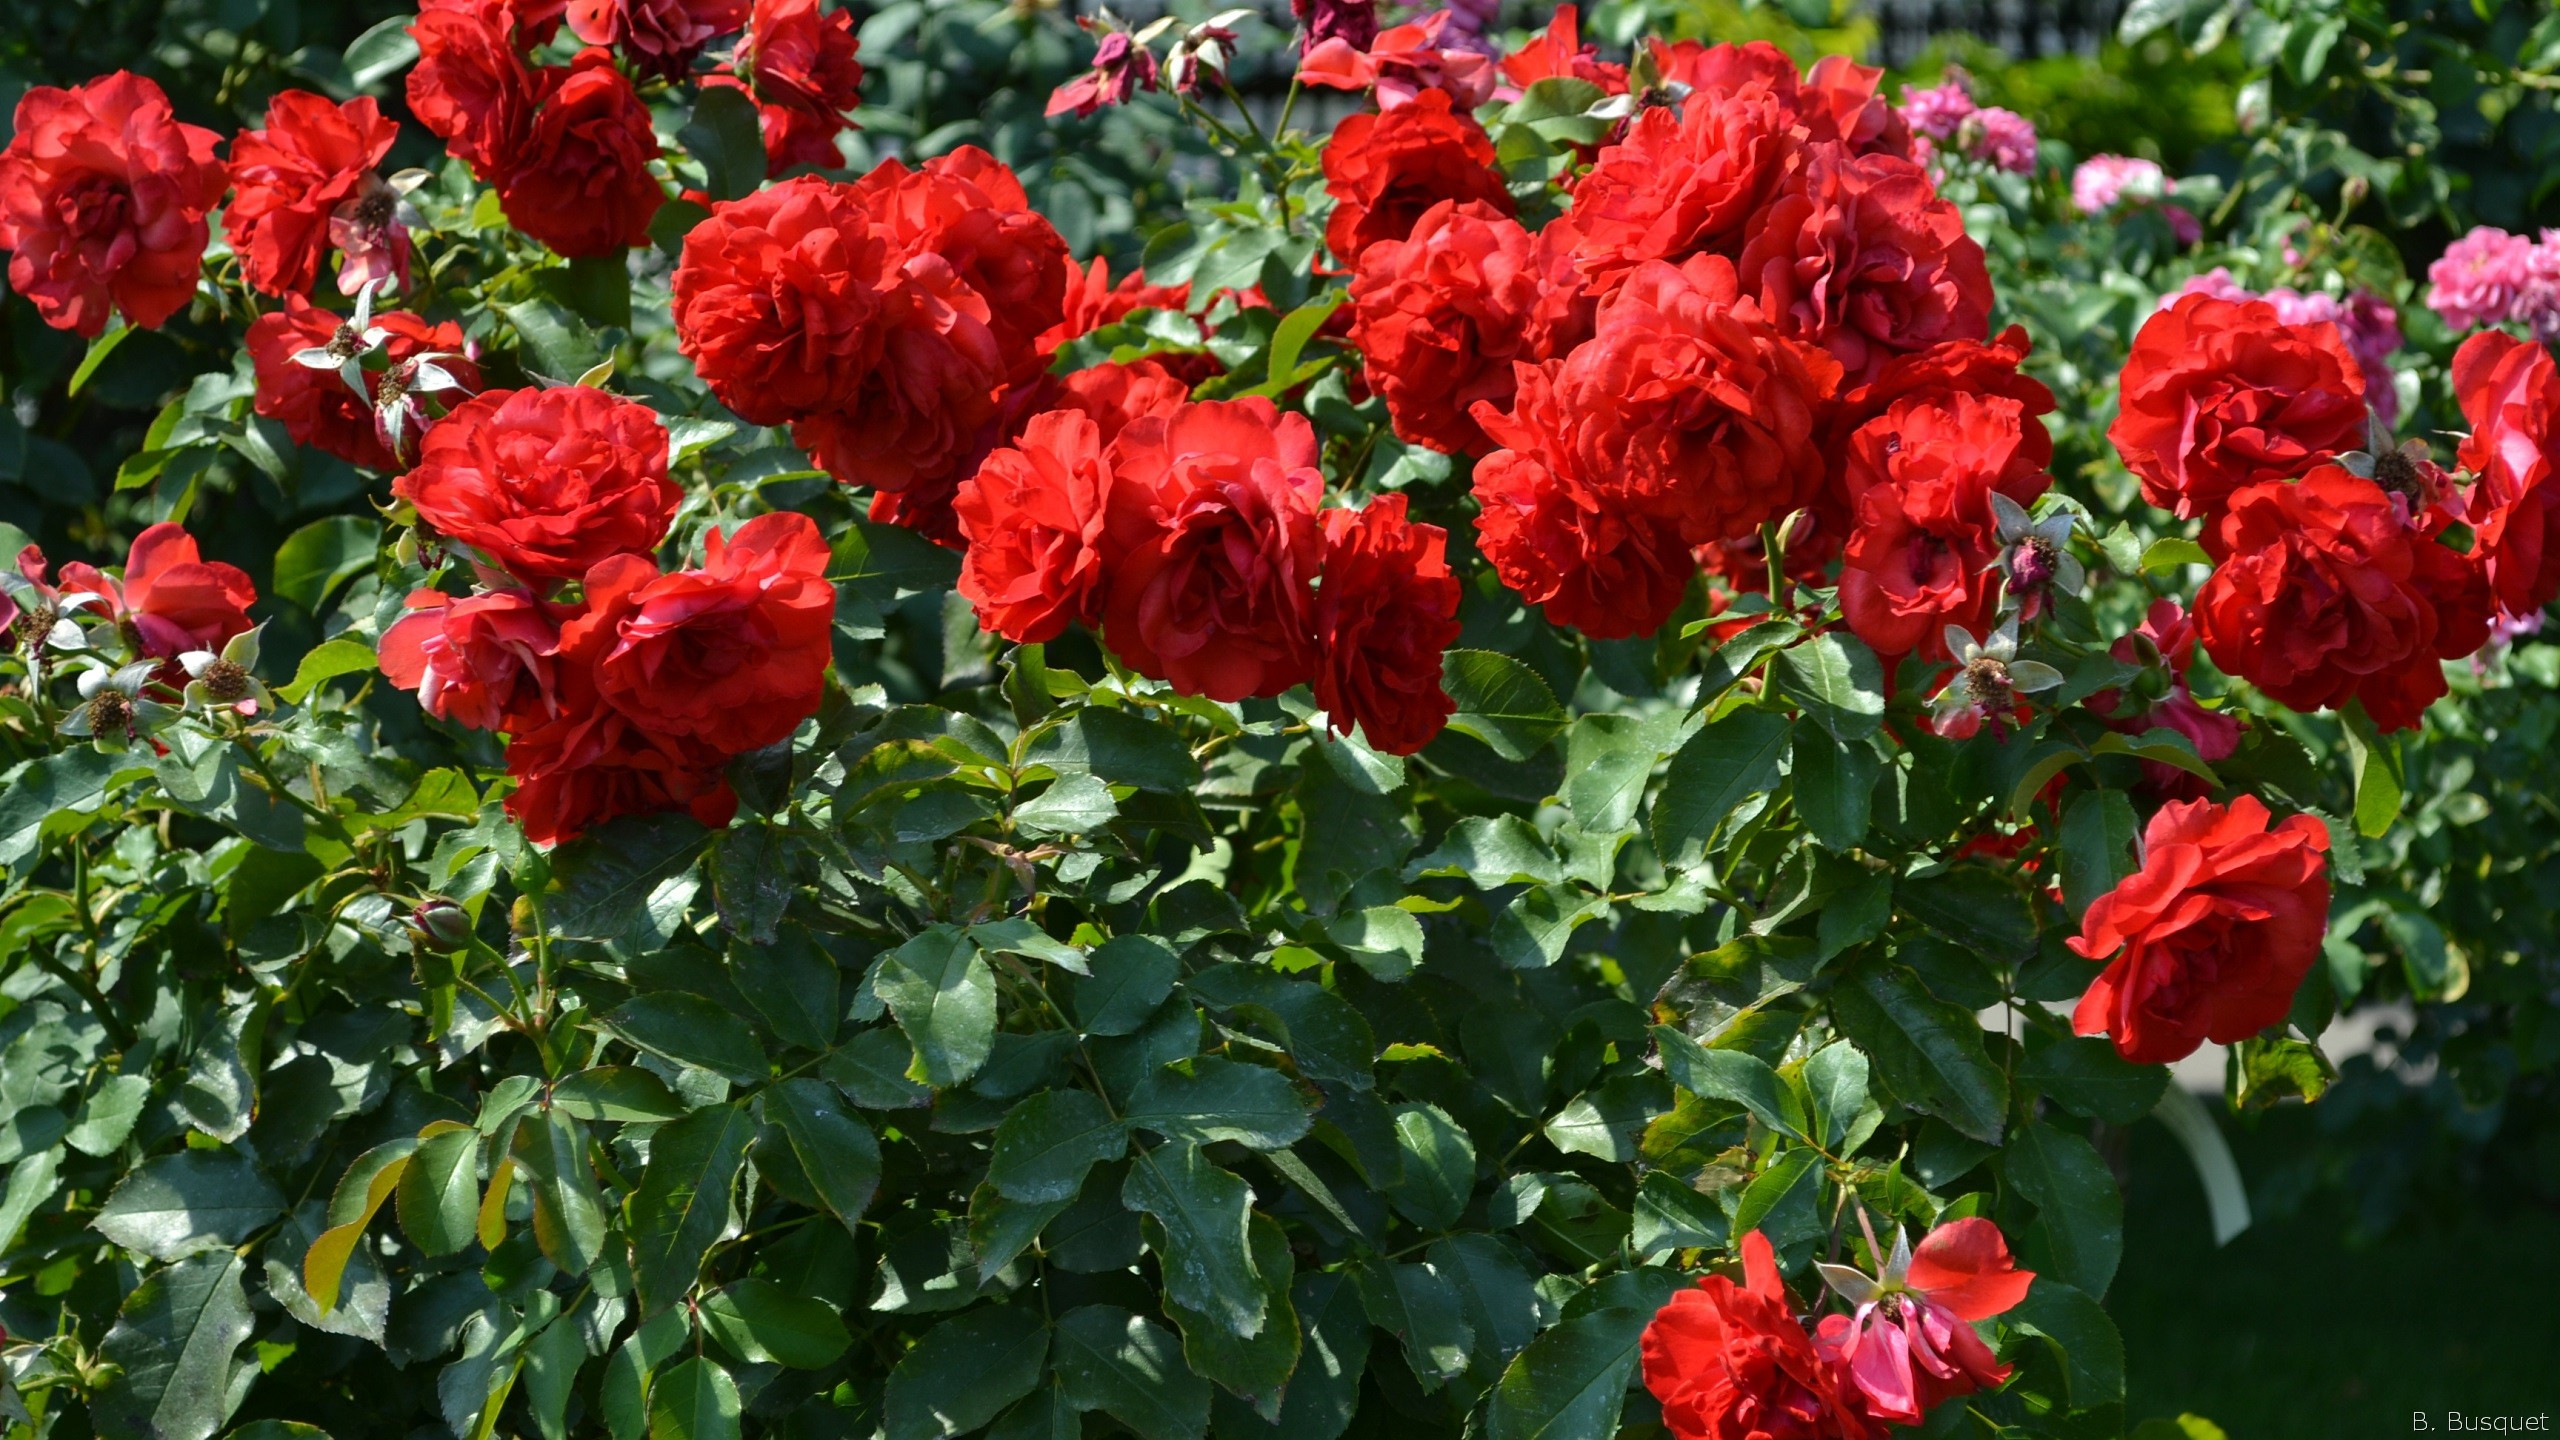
(1556, 759)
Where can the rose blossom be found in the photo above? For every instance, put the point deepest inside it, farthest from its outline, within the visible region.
(661, 37)
(2002, 139)
(1384, 171)
(1937, 111)
(2330, 592)
(1404, 63)
(486, 661)
(2485, 278)
(1355, 22)
(1925, 550)
(470, 87)
(103, 197)
(1682, 183)
(592, 763)
(1910, 1344)
(312, 159)
(781, 300)
(1093, 300)
(2510, 392)
(969, 211)
(1386, 609)
(1033, 516)
(546, 483)
(800, 65)
(2102, 180)
(580, 183)
(1557, 53)
(1730, 1362)
(2365, 321)
(1842, 102)
(1120, 69)
(171, 599)
(2211, 937)
(317, 407)
(1214, 509)
(1440, 316)
(2220, 395)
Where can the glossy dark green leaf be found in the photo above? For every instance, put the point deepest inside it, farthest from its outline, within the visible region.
(1200, 1211)
(763, 1321)
(1721, 766)
(1439, 1166)
(569, 1214)
(693, 1031)
(2084, 1075)
(835, 1149)
(1745, 1079)
(1130, 1368)
(2079, 1212)
(1501, 702)
(1835, 787)
(694, 1399)
(192, 1200)
(1571, 1382)
(616, 1093)
(2083, 1337)
(944, 997)
(1131, 976)
(1221, 1100)
(723, 134)
(1927, 1052)
(964, 1371)
(1049, 1141)
(1838, 681)
(439, 1195)
(2098, 830)
(682, 1205)
(175, 1344)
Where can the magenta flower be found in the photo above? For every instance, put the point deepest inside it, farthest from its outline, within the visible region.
(1354, 22)
(1910, 1343)
(1936, 112)
(2481, 278)
(2004, 139)
(1121, 68)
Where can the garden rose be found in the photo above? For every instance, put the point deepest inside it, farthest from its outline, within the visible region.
(1439, 317)
(1688, 405)
(1843, 101)
(926, 411)
(2488, 277)
(1033, 516)
(2510, 392)
(1730, 1362)
(103, 197)
(1925, 550)
(1859, 254)
(1117, 395)
(488, 661)
(592, 764)
(1404, 63)
(731, 654)
(661, 37)
(580, 182)
(1557, 53)
(546, 483)
(800, 65)
(1682, 183)
(312, 160)
(2210, 938)
(2329, 592)
(1599, 565)
(2219, 395)
(1216, 506)
(1384, 171)
(317, 407)
(1093, 300)
(470, 86)
(171, 599)
(969, 210)
(782, 297)
(1910, 1345)
(1385, 611)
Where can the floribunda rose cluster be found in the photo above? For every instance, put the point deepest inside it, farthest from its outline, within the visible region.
(1733, 1362)
(2102, 182)
(895, 323)
(1945, 115)
(630, 693)
(1193, 536)
(2489, 277)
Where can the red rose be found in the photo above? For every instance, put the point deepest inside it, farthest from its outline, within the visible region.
(661, 37)
(1687, 405)
(317, 407)
(1720, 70)
(1033, 517)
(592, 763)
(1926, 548)
(488, 661)
(800, 65)
(1557, 53)
(2330, 593)
(1117, 395)
(1600, 566)
(546, 483)
(1682, 183)
(1895, 1362)
(1213, 513)
(969, 211)
(1843, 101)
(1384, 170)
(1386, 610)
(1439, 317)
(1860, 255)
(780, 300)
(2510, 392)
(731, 655)
(526, 23)
(929, 405)
(313, 158)
(470, 87)
(171, 599)
(2221, 394)
(1730, 1362)
(103, 196)
(1093, 301)
(2212, 935)
(580, 183)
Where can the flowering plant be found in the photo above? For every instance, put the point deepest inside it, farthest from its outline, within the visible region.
(855, 822)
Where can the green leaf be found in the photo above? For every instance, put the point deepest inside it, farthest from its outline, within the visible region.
(1492, 852)
(1571, 1382)
(2085, 1076)
(193, 1200)
(321, 556)
(569, 1215)
(695, 1399)
(1835, 788)
(2084, 1340)
(1735, 1075)
(964, 1372)
(763, 1321)
(1256, 1368)
(557, 345)
(1206, 1252)
(1422, 1309)
(1607, 760)
(1439, 1167)
(67, 782)
(1927, 1052)
(944, 996)
(327, 661)
(692, 1031)
(627, 881)
(1976, 906)
(106, 1117)
(2098, 831)
(1324, 1390)
(621, 1394)
(174, 1344)
(1072, 805)
(1608, 1121)
(1838, 681)
(1118, 747)
(2379, 785)
(616, 1093)
(2079, 1214)
(99, 349)
(381, 52)
(1130, 1368)
(2173, 552)
(835, 1149)
(439, 1194)
(1501, 702)
(682, 1205)
(1724, 764)
(1836, 1075)
(1771, 1187)
(1221, 1100)
(551, 1364)
(1049, 1142)
(1132, 975)
(1670, 1215)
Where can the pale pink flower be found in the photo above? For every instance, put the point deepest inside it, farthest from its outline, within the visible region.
(2103, 180)
(2481, 278)
(2004, 139)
